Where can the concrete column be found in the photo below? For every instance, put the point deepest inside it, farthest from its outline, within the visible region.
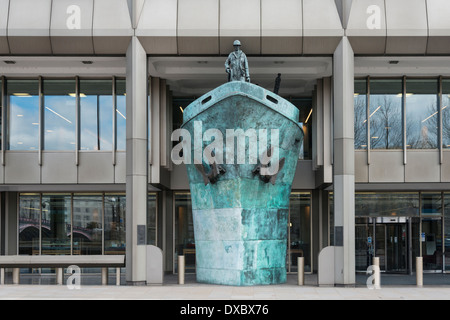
(344, 164)
(136, 159)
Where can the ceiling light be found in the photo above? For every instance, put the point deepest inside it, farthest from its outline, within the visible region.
(181, 109)
(310, 113)
(20, 94)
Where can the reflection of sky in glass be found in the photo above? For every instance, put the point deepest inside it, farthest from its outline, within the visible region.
(59, 115)
(23, 114)
(121, 115)
(24, 123)
(92, 124)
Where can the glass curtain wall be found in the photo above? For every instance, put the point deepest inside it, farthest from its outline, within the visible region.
(87, 230)
(101, 111)
(96, 114)
(23, 114)
(422, 115)
(121, 114)
(29, 224)
(399, 226)
(60, 113)
(299, 231)
(445, 113)
(385, 114)
(115, 223)
(401, 108)
(360, 114)
(78, 224)
(184, 243)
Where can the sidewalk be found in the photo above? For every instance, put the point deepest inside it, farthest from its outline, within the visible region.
(192, 290)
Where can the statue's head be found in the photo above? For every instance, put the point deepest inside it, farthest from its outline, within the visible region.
(237, 45)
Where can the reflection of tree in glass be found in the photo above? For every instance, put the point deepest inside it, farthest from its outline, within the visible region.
(422, 134)
(386, 123)
(360, 122)
(446, 123)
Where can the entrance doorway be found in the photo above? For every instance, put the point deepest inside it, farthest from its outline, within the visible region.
(388, 238)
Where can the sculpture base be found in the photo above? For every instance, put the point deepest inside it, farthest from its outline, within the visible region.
(242, 278)
(241, 247)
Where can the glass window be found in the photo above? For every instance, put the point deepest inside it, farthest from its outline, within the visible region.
(115, 214)
(299, 235)
(373, 204)
(446, 113)
(56, 224)
(87, 224)
(184, 232)
(360, 114)
(422, 113)
(23, 100)
(121, 111)
(29, 220)
(96, 114)
(447, 230)
(59, 115)
(431, 203)
(151, 218)
(385, 114)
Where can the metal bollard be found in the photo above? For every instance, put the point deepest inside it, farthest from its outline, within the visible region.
(419, 271)
(181, 269)
(301, 271)
(376, 270)
(117, 276)
(105, 275)
(16, 275)
(59, 276)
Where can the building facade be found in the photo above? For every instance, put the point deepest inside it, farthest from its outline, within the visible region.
(91, 91)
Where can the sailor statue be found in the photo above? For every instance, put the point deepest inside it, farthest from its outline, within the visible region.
(237, 64)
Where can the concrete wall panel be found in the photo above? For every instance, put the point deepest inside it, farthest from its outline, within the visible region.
(361, 167)
(240, 20)
(198, 26)
(22, 167)
(422, 166)
(112, 29)
(71, 27)
(438, 12)
(4, 9)
(445, 167)
(366, 28)
(120, 174)
(407, 31)
(386, 166)
(95, 167)
(29, 27)
(322, 27)
(281, 27)
(58, 167)
(157, 28)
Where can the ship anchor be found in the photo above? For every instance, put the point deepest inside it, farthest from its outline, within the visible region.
(215, 171)
(268, 177)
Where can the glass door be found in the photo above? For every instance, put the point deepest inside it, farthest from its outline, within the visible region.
(432, 244)
(396, 248)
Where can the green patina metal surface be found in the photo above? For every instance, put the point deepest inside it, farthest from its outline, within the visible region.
(240, 221)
